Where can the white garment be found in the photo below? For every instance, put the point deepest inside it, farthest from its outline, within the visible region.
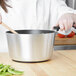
(32, 14)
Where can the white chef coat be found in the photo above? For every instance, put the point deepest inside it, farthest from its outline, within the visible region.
(31, 14)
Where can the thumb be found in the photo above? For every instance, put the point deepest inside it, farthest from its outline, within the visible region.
(57, 24)
(60, 25)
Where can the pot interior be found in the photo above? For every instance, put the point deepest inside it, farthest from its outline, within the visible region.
(32, 31)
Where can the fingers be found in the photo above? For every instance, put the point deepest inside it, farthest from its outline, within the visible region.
(74, 25)
(74, 16)
(68, 24)
(65, 24)
(54, 25)
(60, 24)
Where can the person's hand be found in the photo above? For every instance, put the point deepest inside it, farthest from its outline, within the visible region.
(0, 19)
(66, 21)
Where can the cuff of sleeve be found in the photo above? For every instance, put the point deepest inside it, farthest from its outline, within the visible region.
(74, 11)
(65, 11)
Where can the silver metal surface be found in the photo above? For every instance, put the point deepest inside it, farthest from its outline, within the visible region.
(30, 47)
(65, 47)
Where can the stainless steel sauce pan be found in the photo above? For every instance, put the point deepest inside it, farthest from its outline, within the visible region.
(31, 45)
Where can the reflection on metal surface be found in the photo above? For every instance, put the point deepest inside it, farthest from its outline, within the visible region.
(65, 47)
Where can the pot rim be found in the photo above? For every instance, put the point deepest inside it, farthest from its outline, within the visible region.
(32, 31)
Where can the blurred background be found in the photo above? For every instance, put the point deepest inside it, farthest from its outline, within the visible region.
(71, 3)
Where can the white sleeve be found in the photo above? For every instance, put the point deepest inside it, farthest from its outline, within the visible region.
(63, 8)
(74, 11)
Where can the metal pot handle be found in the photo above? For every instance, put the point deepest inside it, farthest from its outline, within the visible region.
(57, 27)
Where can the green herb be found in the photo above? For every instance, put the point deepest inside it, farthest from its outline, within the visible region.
(6, 70)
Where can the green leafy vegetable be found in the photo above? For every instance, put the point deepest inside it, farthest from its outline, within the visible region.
(6, 70)
(12, 71)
